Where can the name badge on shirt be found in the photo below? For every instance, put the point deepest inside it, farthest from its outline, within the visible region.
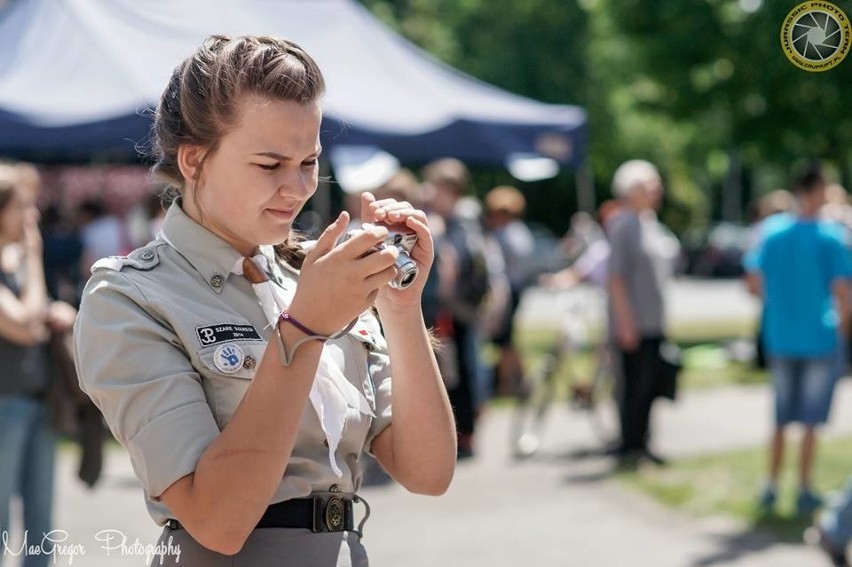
(212, 334)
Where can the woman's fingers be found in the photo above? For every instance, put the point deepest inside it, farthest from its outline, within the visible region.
(359, 267)
(367, 200)
(362, 242)
(329, 236)
(394, 212)
(418, 223)
(379, 280)
(377, 260)
(424, 250)
(421, 228)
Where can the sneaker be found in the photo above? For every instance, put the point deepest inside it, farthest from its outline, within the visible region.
(628, 461)
(767, 498)
(816, 536)
(654, 458)
(807, 502)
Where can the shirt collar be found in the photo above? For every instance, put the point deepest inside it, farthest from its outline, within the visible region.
(211, 256)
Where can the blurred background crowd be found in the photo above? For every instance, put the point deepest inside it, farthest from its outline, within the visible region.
(682, 155)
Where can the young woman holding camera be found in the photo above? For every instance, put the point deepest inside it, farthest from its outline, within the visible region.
(245, 376)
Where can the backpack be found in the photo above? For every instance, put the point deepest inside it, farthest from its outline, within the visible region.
(474, 279)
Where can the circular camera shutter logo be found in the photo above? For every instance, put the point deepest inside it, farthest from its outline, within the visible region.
(815, 36)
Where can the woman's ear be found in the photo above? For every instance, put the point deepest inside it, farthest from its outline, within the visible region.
(189, 158)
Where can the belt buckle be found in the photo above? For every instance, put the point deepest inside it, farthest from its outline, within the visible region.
(335, 514)
(329, 515)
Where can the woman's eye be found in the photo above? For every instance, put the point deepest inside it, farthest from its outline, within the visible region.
(267, 167)
(309, 163)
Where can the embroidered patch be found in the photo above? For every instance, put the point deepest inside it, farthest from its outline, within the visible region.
(229, 358)
(212, 334)
(364, 332)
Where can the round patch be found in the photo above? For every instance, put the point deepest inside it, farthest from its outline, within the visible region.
(229, 358)
(815, 36)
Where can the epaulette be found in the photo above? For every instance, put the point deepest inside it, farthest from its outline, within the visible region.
(144, 258)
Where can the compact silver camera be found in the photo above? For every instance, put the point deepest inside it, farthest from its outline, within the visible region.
(404, 240)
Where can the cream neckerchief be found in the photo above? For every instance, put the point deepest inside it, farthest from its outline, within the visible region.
(331, 393)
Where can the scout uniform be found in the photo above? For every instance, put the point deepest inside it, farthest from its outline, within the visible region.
(167, 343)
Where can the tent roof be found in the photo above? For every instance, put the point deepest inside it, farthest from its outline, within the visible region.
(77, 78)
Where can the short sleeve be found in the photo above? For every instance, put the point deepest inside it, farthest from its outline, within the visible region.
(623, 245)
(590, 261)
(841, 264)
(753, 258)
(134, 369)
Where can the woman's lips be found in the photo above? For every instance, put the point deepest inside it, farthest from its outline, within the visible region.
(282, 214)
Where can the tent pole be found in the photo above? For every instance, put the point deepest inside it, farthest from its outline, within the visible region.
(585, 189)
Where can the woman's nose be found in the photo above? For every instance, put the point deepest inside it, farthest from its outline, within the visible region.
(297, 184)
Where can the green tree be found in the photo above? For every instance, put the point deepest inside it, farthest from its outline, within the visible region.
(701, 88)
(718, 66)
(534, 48)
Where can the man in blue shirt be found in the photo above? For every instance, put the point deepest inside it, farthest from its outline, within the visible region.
(801, 268)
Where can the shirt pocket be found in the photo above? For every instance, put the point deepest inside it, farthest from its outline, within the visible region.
(227, 370)
(367, 331)
(366, 341)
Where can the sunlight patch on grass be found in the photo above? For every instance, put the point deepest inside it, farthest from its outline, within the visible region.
(698, 372)
(729, 483)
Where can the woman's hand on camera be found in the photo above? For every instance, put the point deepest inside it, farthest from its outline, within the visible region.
(340, 281)
(391, 212)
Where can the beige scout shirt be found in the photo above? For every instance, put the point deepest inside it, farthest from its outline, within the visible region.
(146, 335)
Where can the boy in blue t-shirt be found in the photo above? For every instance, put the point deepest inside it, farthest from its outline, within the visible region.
(802, 269)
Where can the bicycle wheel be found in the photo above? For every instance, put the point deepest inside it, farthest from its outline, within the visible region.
(533, 403)
(603, 409)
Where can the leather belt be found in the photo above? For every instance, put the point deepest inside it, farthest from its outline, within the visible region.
(320, 514)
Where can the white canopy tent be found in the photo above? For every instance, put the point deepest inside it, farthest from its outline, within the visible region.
(76, 78)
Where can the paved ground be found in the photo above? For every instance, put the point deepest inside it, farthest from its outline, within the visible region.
(559, 509)
(708, 301)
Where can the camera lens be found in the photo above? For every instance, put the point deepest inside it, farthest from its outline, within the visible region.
(406, 273)
(407, 279)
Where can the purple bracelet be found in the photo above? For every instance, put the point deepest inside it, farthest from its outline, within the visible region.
(293, 321)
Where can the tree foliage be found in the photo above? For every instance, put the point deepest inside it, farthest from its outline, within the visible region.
(700, 87)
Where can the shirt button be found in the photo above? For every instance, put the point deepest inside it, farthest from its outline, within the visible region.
(217, 280)
(249, 363)
(146, 256)
(334, 488)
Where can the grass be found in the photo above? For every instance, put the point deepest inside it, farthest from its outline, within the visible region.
(700, 375)
(706, 360)
(695, 332)
(728, 484)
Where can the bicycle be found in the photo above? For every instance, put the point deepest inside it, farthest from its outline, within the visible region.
(540, 388)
